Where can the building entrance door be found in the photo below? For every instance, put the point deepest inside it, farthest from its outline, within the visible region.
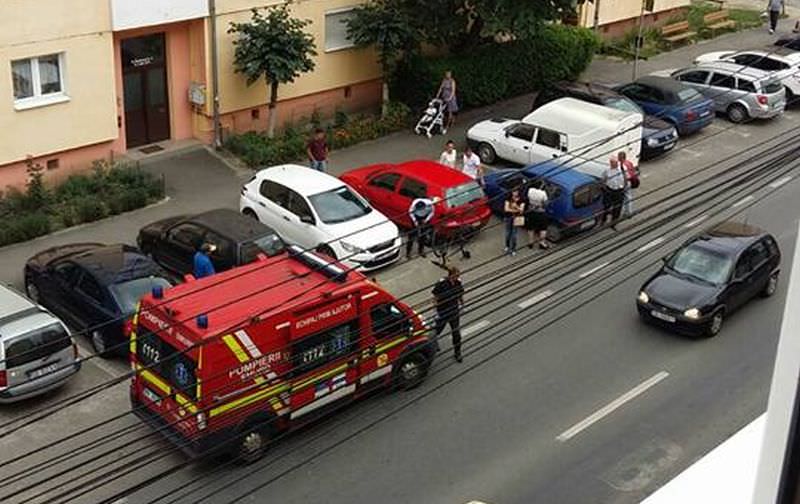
(144, 76)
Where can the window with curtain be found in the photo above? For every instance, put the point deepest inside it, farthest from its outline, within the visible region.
(38, 78)
(336, 30)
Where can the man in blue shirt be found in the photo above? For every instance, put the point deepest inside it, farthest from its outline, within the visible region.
(203, 266)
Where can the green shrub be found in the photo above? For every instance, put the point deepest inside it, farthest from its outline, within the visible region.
(88, 209)
(24, 227)
(497, 71)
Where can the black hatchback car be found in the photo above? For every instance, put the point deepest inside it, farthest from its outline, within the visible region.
(95, 287)
(709, 277)
(658, 136)
(239, 240)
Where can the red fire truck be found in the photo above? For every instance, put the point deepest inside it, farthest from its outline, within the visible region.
(234, 359)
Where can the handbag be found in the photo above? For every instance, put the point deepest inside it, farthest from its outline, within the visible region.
(635, 182)
(519, 221)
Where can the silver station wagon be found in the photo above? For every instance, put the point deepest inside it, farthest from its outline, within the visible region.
(739, 91)
(37, 353)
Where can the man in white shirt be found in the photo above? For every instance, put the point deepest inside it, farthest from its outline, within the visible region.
(421, 213)
(471, 164)
(449, 156)
(614, 182)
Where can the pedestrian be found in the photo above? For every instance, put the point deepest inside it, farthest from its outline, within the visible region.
(774, 7)
(317, 150)
(449, 155)
(448, 296)
(536, 220)
(471, 165)
(203, 266)
(421, 212)
(631, 182)
(514, 210)
(613, 192)
(447, 93)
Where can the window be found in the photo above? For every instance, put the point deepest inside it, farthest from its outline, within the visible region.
(695, 77)
(549, 138)
(275, 192)
(271, 245)
(553, 191)
(689, 95)
(36, 345)
(412, 188)
(758, 254)
(91, 288)
(745, 85)
(512, 181)
(522, 132)
(586, 195)
(772, 246)
(336, 29)
(127, 294)
(38, 81)
(318, 349)
(723, 80)
(698, 263)
(638, 92)
(298, 205)
(339, 205)
(388, 320)
(463, 194)
(188, 235)
(165, 360)
(772, 87)
(67, 273)
(225, 249)
(386, 181)
(747, 60)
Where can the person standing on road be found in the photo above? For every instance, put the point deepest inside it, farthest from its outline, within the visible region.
(536, 220)
(449, 155)
(631, 182)
(514, 210)
(203, 266)
(774, 7)
(317, 150)
(448, 296)
(421, 212)
(614, 192)
(447, 93)
(471, 165)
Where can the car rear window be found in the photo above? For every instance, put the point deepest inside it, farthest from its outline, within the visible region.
(772, 86)
(586, 195)
(689, 95)
(165, 360)
(36, 345)
(463, 194)
(271, 245)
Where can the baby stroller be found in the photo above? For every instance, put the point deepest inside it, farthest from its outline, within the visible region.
(432, 121)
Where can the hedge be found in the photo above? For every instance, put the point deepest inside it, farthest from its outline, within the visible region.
(498, 71)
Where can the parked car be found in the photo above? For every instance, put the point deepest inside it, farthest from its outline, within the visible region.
(783, 63)
(740, 92)
(709, 277)
(565, 128)
(317, 211)
(391, 188)
(575, 198)
(239, 239)
(37, 353)
(95, 287)
(658, 136)
(672, 101)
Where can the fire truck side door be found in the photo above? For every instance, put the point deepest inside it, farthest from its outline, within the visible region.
(387, 323)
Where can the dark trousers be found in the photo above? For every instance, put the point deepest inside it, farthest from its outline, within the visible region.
(452, 318)
(773, 18)
(612, 204)
(419, 234)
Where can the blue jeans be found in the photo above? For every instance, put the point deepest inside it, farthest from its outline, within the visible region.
(318, 165)
(511, 235)
(628, 205)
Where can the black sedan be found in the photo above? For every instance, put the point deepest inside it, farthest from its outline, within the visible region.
(709, 277)
(95, 287)
(239, 240)
(658, 136)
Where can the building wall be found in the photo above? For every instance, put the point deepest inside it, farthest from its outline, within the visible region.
(618, 15)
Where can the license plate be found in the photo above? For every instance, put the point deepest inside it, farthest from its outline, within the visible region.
(669, 146)
(38, 373)
(587, 224)
(151, 396)
(662, 316)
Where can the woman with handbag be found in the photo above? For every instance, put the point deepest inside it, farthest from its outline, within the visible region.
(514, 209)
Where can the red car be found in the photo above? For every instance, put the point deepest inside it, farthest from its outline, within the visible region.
(391, 189)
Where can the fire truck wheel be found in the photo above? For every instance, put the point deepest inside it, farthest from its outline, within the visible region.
(412, 371)
(252, 444)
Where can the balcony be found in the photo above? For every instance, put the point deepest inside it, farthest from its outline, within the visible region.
(127, 14)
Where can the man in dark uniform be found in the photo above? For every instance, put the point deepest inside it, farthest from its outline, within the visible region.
(448, 295)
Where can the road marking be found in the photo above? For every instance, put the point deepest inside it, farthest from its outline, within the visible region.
(648, 246)
(780, 182)
(742, 201)
(538, 298)
(692, 152)
(83, 353)
(696, 221)
(477, 326)
(611, 407)
(593, 270)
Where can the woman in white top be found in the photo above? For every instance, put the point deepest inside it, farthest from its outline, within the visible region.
(449, 156)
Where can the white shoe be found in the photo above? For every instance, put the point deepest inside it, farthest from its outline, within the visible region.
(771, 31)
(444, 131)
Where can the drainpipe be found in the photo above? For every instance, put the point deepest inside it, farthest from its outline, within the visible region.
(639, 42)
(212, 19)
(596, 23)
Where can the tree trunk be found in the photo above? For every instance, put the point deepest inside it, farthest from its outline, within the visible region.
(385, 102)
(273, 103)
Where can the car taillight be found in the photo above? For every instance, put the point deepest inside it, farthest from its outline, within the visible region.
(3, 379)
(691, 115)
(762, 100)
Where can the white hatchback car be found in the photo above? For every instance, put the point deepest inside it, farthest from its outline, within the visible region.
(317, 211)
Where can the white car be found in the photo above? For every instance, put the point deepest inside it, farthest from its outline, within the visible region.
(320, 212)
(782, 63)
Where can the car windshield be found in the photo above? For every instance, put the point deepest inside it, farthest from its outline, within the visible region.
(701, 264)
(463, 194)
(339, 205)
(689, 95)
(271, 245)
(623, 104)
(127, 294)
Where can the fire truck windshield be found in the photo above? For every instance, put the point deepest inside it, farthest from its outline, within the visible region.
(166, 361)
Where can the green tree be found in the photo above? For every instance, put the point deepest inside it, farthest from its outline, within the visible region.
(385, 26)
(273, 46)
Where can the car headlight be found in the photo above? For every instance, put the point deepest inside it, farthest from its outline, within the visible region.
(652, 142)
(351, 248)
(643, 297)
(692, 313)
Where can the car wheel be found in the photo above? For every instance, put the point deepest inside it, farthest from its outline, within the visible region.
(251, 446)
(326, 250)
(715, 326)
(486, 153)
(737, 113)
(411, 371)
(247, 212)
(32, 290)
(99, 342)
(772, 285)
(554, 233)
(790, 98)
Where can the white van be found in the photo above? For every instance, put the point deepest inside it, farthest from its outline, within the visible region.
(563, 128)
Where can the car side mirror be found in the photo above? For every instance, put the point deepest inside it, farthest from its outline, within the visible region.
(307, 219)
(507, 134)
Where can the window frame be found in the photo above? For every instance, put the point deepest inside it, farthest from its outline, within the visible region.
(37, 99)
(349, 44)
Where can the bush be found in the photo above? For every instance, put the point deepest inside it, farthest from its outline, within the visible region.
(497, 71)
(24, 227)
(88, 209)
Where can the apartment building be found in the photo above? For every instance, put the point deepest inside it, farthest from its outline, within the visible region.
(615, 17)
(92, 79)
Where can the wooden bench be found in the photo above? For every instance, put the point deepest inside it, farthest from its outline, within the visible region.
(718, 20)
(677, 32)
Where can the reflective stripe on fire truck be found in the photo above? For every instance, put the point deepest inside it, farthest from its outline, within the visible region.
(166, 389)
(249, 399)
